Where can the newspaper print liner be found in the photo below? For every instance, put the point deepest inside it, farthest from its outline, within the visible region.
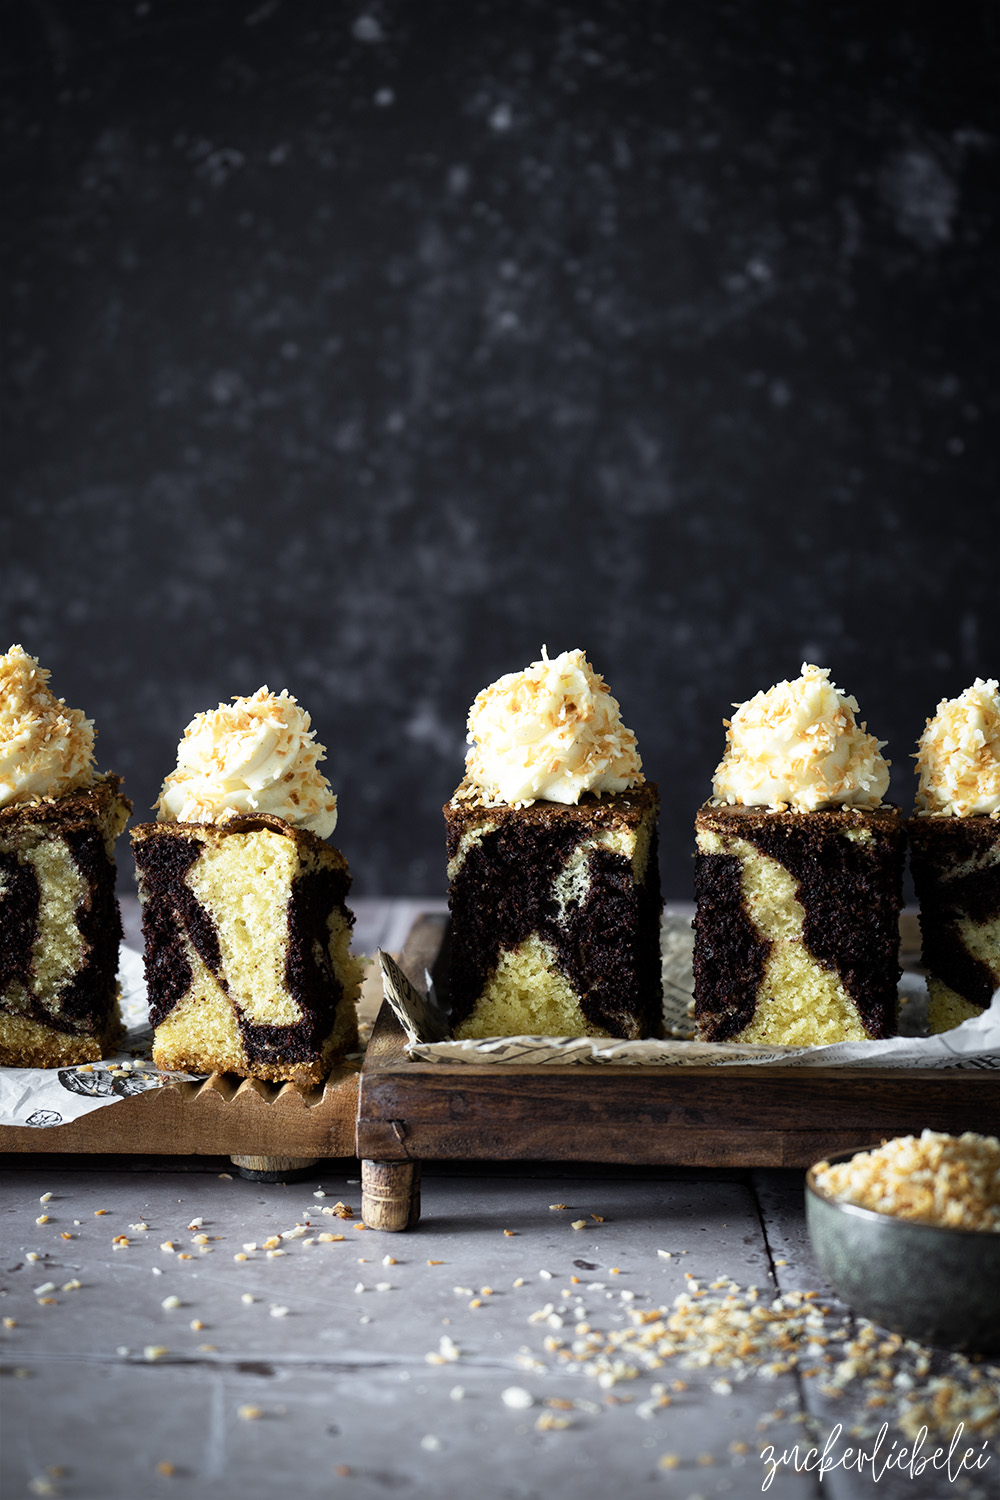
(43, 1097)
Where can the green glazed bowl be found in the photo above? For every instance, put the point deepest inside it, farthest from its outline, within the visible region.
(939, 1286)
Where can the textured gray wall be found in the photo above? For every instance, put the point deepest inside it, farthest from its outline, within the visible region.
(360, 349)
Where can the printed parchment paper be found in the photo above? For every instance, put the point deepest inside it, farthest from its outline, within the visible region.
(976, 1043)
(42, 1097)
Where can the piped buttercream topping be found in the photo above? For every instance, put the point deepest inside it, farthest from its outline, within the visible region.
(958, 755)
(799, 747)
(549, 733)
(254, 755)
(46, 749)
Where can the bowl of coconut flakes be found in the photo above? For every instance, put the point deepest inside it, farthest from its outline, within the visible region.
(908, 1234)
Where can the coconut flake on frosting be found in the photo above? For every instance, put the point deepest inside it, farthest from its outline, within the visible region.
(46, 749)
(798, 747)
(549, 733)
(254, 755)
(958, 755)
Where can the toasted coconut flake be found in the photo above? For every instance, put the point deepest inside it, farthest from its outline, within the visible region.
(551, 732)
(933, 1178)
(958, 756)
(798, 746)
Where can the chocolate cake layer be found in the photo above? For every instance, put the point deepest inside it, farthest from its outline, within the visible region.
(298, 964)
(554, 875)
(730, 953)
(60, 926)
(956, 872)
(841, 909)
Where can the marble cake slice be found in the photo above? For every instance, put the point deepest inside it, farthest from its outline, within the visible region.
(956, 872)
(797, 924)
(555, 917)
(60, 927)
(247, 948)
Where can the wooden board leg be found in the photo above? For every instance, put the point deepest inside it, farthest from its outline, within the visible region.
(390, 1194)
(273, 1168)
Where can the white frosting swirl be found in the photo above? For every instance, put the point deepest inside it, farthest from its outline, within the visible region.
(549, 733)
(798, 747)
(254, 755)
(958, 756)
(46, 749)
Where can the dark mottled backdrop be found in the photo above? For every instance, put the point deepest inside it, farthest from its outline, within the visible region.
(361, 349)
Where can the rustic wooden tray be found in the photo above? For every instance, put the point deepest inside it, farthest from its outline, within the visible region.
(270, 1130)
(410, 1111)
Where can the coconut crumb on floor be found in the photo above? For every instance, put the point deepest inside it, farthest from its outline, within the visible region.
(885, 1377)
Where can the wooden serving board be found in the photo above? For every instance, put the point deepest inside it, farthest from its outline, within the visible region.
(219, 1116)
(735, 1116)
(269, 1129)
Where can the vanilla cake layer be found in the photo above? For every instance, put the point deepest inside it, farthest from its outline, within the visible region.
(797, 924)
(956, 872)
(247, 948)
(556, 917)
(60, 927)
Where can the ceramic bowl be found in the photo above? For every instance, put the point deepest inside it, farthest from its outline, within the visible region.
(940, 1286)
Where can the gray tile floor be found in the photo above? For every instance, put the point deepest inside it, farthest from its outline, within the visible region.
(309, 1369)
